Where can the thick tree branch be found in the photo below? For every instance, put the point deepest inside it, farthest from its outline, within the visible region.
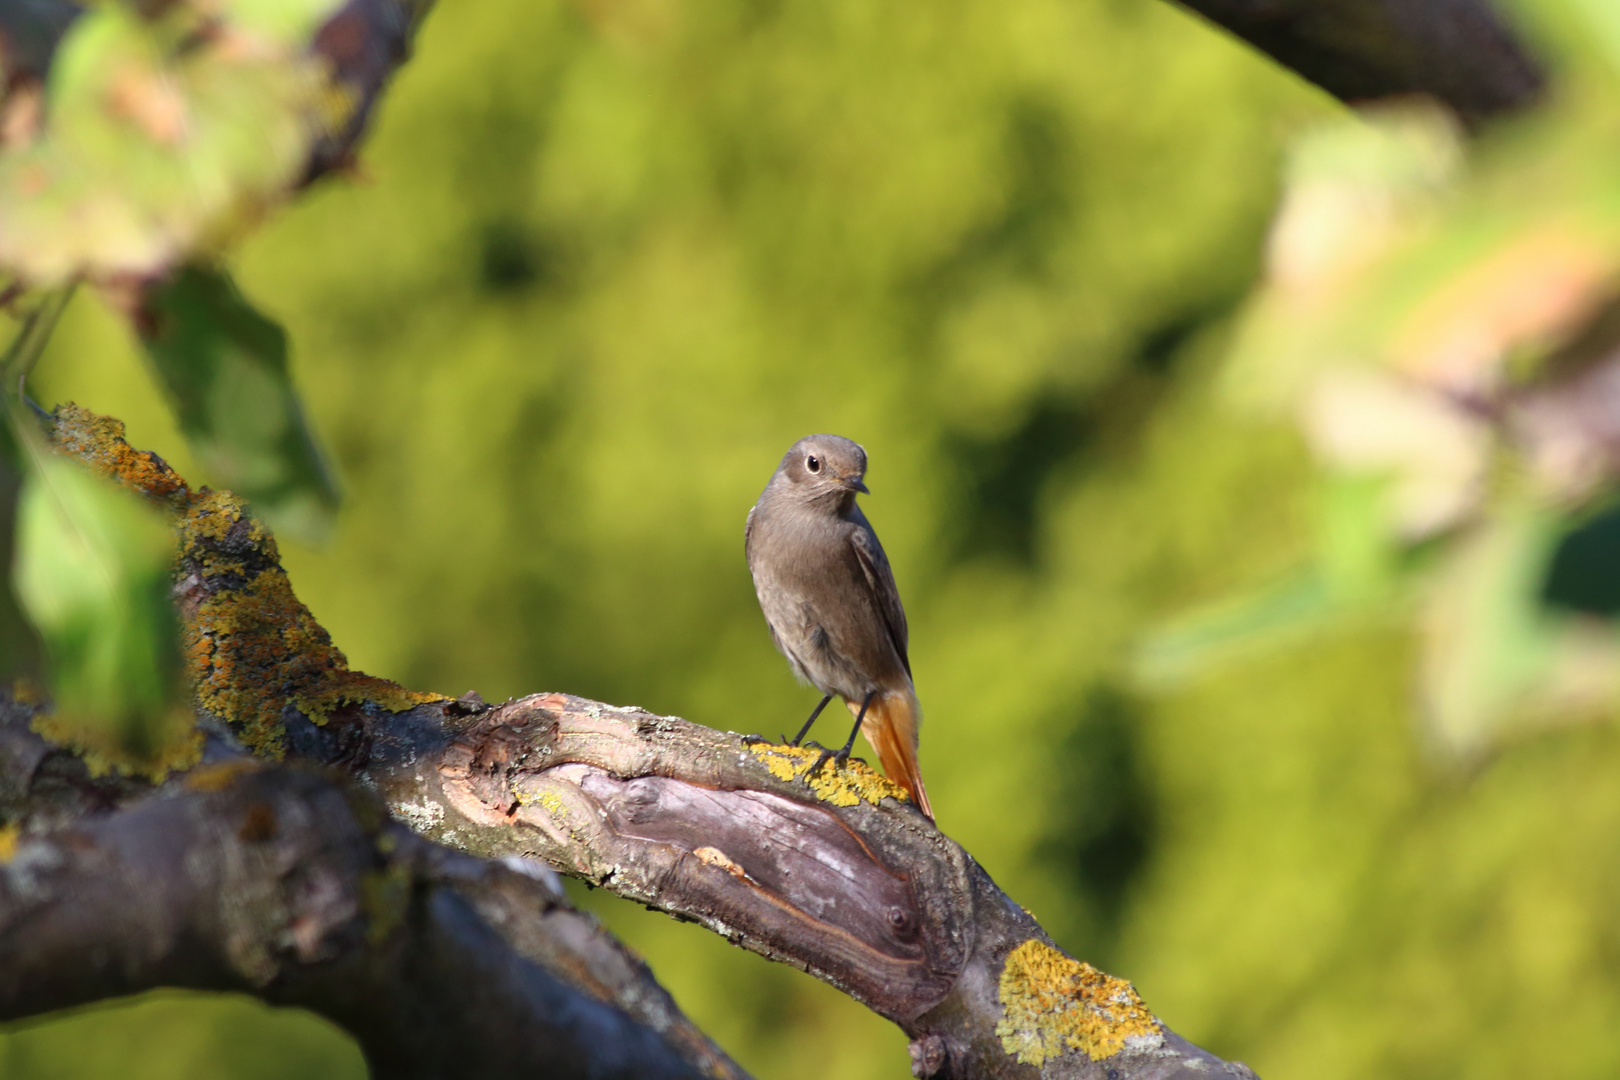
(1459, 51)
(830, 870)
(294, 886)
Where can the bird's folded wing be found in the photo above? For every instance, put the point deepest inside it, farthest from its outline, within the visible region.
(875, 564)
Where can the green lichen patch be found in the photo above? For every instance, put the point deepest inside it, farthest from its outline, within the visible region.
(249, 645)
(1052, 1002)
(841, 785)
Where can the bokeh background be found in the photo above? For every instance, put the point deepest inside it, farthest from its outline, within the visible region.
(606, 261)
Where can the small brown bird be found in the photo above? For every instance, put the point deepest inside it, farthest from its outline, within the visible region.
(830, 600)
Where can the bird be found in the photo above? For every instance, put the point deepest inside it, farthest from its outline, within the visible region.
(829, 598)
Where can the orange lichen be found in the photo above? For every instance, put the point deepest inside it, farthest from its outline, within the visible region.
(1052, 1002)
(250, 646)
(99, 441)
(841, 785)
(9, 835)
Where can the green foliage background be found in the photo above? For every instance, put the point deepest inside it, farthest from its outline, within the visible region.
(611, 259)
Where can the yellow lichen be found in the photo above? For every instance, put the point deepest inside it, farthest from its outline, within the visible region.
(8, 842)
(385, 898)
(841, 785)
(103, 749)
(220, 776)
(249, 645)
(1052, 1002)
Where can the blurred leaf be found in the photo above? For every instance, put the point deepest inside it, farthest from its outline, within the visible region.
(225, 367)
(19, 647)
(1495, 655)
(291, 23)
(1603, 16)
(165, 135)
(93, 571)
(19, 643)
(1203, 639)
(1428, 455)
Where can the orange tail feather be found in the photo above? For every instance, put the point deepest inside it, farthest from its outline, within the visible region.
(891, 727)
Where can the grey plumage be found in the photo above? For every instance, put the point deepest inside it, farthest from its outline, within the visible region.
(829, 596)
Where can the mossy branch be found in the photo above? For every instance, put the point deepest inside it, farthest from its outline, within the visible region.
(293, 885)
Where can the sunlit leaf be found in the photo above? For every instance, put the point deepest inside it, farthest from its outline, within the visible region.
(1604, 18)
(166, 135)
(1496, 658)
(225, 367)
(93, 572)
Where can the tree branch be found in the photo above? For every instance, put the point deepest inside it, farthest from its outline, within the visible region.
(1459, 51)
(830, 870)
(834, 873)
(294, 886)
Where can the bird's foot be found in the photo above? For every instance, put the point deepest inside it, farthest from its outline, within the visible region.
(822, 758)
(750, 740)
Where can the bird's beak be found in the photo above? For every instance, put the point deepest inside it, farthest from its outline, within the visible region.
(855, 483)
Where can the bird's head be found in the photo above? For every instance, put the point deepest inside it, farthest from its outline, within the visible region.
(825, 466)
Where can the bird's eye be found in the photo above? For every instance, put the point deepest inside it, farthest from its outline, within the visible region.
(813, 463)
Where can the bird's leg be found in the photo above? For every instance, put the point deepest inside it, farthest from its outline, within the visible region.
(843, 755)
(799, 738)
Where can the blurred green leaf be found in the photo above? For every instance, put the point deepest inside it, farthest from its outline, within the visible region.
(1220, 633)
(1604, 17)
(225, 367)
(19, 643)
(93, 572)
(19, 647)
(1496, 658)
(166, 135)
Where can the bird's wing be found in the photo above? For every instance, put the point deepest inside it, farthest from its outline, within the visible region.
(869, 553)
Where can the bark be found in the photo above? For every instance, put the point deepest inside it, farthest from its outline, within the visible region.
(832, 872)
(293, 885)
(1459, 51)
